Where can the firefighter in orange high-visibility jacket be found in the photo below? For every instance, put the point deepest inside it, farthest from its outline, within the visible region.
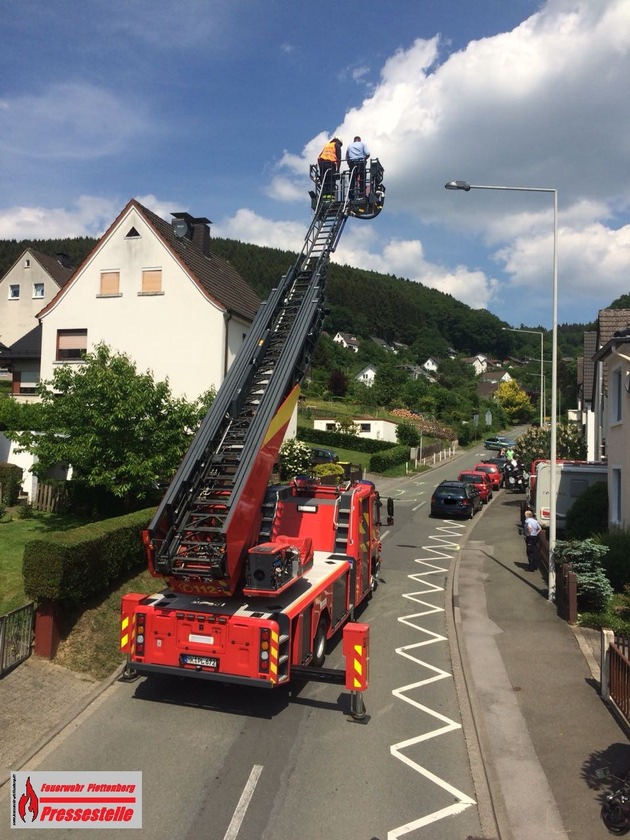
(329, 161)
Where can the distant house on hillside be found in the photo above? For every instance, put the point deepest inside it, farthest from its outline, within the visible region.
(348, 341)
(153, 290)
(479, 363)
(431, 365)
(381, 343)
(367, 375)
(31, 282)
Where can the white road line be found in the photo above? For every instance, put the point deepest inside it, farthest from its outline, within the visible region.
(243, 803)
(417, 507)
(443, 548)
(384, 535)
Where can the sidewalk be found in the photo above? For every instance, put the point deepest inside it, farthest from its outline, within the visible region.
(542, 729)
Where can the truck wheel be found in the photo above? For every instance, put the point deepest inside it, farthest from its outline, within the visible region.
(319, 644)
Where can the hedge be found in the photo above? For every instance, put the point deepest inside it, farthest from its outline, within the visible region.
(10, 483)
(382, 461)
(70, 566)
(343, 441)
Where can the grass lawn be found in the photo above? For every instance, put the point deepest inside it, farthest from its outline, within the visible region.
(14, 534)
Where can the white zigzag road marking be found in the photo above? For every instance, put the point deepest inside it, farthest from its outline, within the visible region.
(464, 801)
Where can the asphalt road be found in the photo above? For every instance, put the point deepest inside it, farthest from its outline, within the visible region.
(225, 762)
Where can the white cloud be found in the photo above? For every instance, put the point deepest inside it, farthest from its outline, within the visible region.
(90, 216)
(248, 226)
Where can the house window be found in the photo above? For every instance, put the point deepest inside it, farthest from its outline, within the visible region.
(331, 427)
(365, 427)
(27, 263)
(28, 380)
(616, 515)
(38, 290)
(616, 392)
(71, 345)
(151, 281)
(110, 283)
(14, 291)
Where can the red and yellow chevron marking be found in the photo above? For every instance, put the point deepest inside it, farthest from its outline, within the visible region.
(127, 642)
(273, 656)
(360, 670)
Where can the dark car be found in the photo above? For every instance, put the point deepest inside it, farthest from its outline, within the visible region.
(455, 498)
(499, 442)
(323, 456)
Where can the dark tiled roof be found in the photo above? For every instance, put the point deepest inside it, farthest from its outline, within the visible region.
(216, 275)
(59, 273)
(29, 346)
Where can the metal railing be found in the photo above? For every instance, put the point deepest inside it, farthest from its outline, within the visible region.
(16, 637)
(615, 672)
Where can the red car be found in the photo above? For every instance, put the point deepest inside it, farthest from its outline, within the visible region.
(481, 480)
(493, 471)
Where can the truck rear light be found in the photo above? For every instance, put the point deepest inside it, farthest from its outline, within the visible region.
(263, 653)
(140, 633)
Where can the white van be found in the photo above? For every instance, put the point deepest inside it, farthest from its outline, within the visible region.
(572, 479)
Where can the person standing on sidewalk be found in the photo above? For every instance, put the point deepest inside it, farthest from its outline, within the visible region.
(531, 530)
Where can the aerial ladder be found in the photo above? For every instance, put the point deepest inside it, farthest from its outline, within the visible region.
(211, 513)
(260, 575)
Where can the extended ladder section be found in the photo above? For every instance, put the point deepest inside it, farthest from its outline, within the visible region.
(187, 538)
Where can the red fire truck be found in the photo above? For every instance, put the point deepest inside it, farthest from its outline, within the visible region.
(259, 576)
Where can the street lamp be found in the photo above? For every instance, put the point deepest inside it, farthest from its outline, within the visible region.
(464, 185)
(542, 372)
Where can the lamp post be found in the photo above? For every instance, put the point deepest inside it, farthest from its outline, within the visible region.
(542, 374)
(466, 187)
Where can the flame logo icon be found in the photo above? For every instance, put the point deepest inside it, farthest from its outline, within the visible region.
(28, 802)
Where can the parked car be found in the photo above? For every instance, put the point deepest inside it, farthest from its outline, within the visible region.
(323, 456)
(493, 471)
(480, 480)
(455, 498)
(498, 443)
(498, 462)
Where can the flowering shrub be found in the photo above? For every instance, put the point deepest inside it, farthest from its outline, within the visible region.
(295, 459)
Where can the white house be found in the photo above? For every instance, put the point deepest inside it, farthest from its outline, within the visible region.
(31, 282)
(366, 427)
(155, 291)
(367, 375)
(348, 341)
(479, 363)
(614, 360)
(431, 364)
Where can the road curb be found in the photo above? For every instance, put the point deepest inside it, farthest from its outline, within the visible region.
(74, 712)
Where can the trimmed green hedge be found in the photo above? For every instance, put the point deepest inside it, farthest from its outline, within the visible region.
(10, 482)
(343, 441)
(70, 566)
(381, 461)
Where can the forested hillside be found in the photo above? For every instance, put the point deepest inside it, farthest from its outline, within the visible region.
(360, 302)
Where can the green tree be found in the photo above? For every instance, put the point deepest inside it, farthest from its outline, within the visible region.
(514, 401)
(408, 434)
(121, 432)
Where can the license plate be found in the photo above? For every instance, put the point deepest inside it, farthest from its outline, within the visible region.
(204, 661)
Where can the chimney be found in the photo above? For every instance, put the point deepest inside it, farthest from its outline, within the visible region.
(194, 229)
(201, 234)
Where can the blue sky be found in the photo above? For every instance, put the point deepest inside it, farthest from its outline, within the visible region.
(217, 107)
